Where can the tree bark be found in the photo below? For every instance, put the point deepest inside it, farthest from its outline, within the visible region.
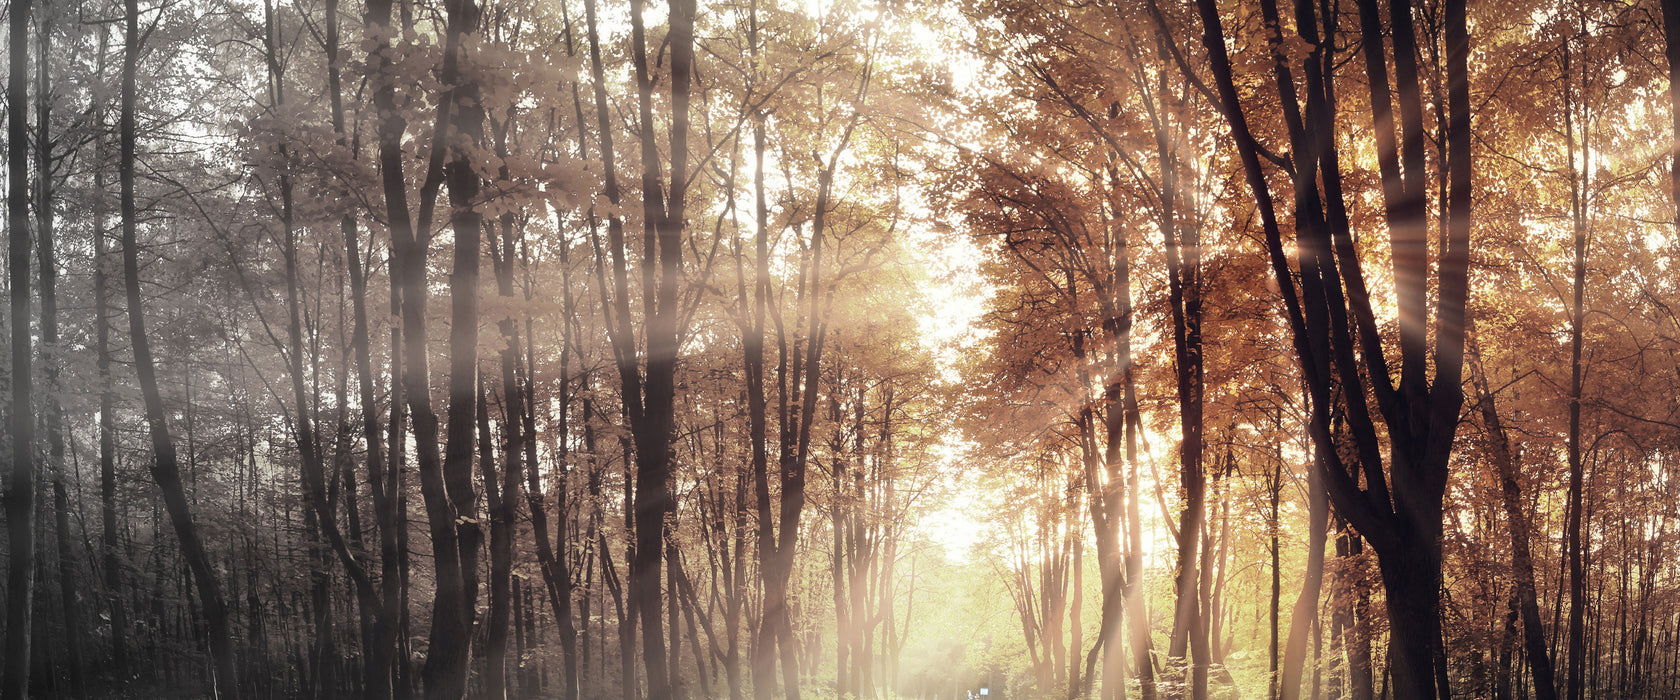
(448, 653)
(1184, 296)
(501, 501)
(615, 307)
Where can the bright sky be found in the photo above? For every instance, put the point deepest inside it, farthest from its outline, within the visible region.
(955, 297)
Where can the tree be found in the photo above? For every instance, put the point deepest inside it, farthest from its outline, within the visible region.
(1398, 509)
(166, 470)
(20, 493)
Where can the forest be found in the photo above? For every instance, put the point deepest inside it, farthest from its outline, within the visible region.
(855, 349)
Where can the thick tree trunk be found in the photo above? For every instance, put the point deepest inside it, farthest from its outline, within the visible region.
(651, 401)
(1330, 317)
(1412, 578)
(465, 132)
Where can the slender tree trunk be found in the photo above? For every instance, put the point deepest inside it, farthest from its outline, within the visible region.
(395, 570)
(652, 421)
(165, 466)
(500, 500)
(1184, 291)
(1108, 514)
(379, 608)
(1143, 657)
(615, 307)
(1357, 634)
(109, 546)
(20, 496)
(1671, 47)
(839, 529)
(1522, 562)
(764, 641)
(54, 422)
(319, 520)
(1304, 618)
(1576, 648)
(1272, 524)
(556, 569)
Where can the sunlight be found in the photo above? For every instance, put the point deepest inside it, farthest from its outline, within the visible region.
(839, 349)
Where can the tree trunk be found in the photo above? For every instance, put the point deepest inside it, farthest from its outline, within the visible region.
(1184, 291)
(1275, 491)
(1331, 319)
(840, 548)
(1576, 648)
(448, 653)
(112, 563)
(1522, 562)
(465, 132)
(20, 496)
(556, 570)
(48, 261)
(651, 398)
(764, 641)
(1304, 618)
(1120, 587)
(1412, 579)
(1671, 47)
(165, 466)
(379, 638)
(501, 501)
(1356, 633)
